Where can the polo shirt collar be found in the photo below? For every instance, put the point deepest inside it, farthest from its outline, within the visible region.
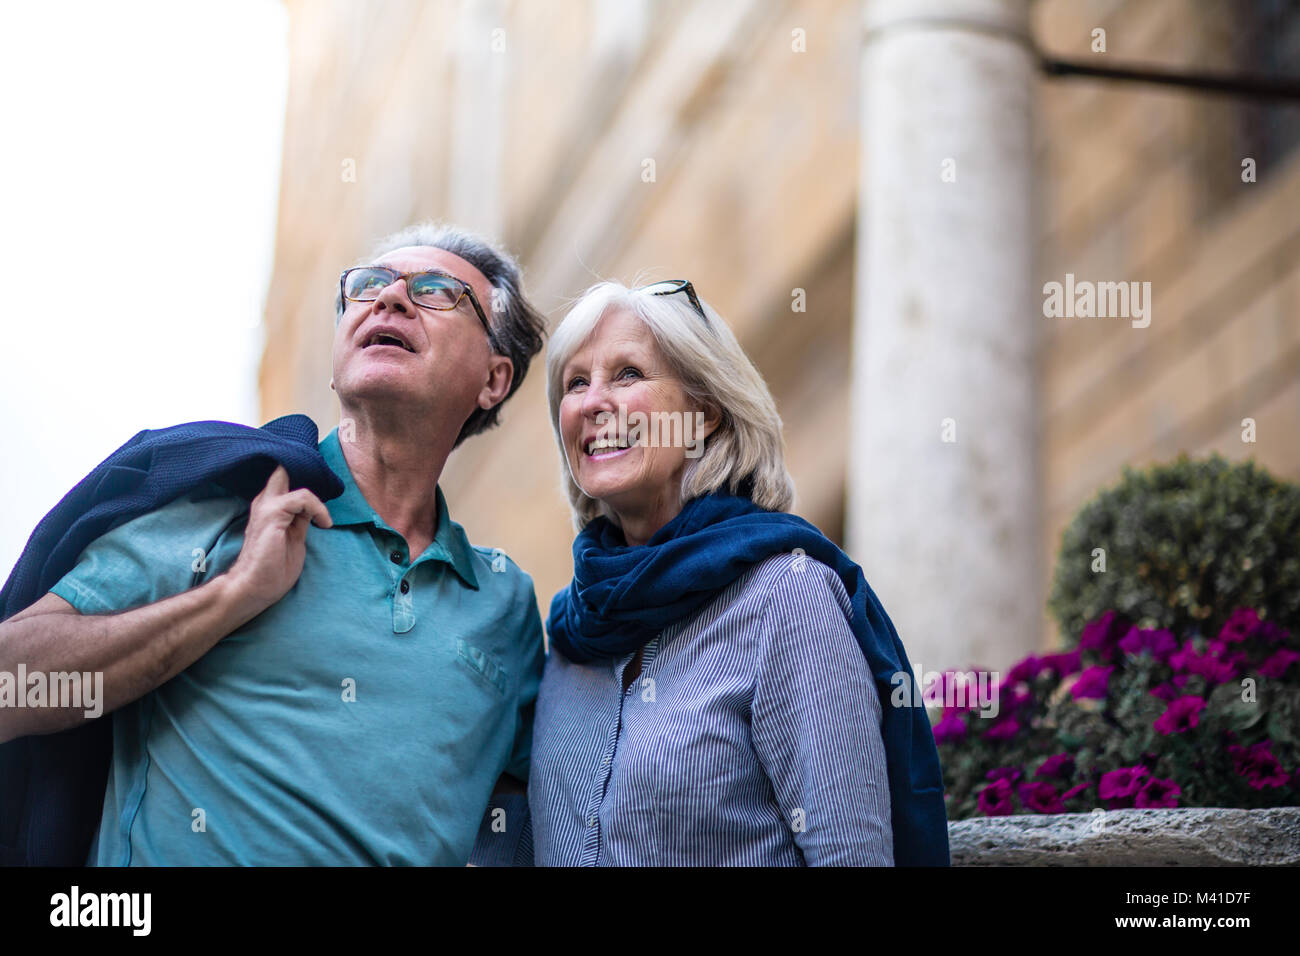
(351, 507)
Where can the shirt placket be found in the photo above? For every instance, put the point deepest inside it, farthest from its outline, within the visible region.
(403, 608)
(593, 844)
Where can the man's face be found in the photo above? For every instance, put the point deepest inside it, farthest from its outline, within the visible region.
(444, 359)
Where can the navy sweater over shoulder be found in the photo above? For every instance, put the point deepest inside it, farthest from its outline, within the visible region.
(52, 785)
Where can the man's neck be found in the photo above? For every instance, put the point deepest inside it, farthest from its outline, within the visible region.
(396, 467)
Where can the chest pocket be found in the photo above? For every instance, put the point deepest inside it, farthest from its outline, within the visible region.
(484, 665)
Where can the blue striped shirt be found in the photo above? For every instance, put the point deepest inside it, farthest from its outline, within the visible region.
(751, 737)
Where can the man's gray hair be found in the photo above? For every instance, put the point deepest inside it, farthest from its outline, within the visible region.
(517, 329)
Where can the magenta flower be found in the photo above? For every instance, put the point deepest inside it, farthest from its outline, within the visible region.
(1209, 665)
(1240, 625)
(997, 799)
(1102, 634)
(1166, 691)
(1181, 715)
(1003, 773)
(1063, 664)
(1057, 765)
(1002, 730)
(1159, 643)
(1271, 632)
(1158, 793)
(1278, 662)
(1016, 700)
(1119, 787)
(1185, 655)
(1092, 683)
(1258, 765)
(950, 728)
(1076, 789)
(1041, 797)
(1026, 670)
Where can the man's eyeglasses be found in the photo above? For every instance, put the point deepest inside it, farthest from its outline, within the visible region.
(672, 287)
(430, 290)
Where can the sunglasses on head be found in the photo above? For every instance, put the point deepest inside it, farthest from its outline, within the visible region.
(672, 287)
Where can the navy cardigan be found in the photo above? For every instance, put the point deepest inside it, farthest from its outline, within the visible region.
(52, 785)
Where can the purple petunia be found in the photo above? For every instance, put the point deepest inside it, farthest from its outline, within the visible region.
(1076, 789)
(1026, 670)
(1119, 787)
(1278, 662)
(1271, 632)
(1003, 773)
(1181, 658)
(1015, 701)
(1002, 730)
(950, 728)
(1063, 664)
(1041, 797)
(1057, 765)
(1258, 765)
(997, 799)
(1158, 793)
(1215, 669)
(1092, 683)
(1165, 692)
(1181, 715)
(1159, 643)
(1240, 624)
(1102, 634)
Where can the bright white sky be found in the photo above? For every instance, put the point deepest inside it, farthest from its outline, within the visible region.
(138, 182)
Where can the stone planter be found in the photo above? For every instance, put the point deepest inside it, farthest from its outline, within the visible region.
(1182, 837)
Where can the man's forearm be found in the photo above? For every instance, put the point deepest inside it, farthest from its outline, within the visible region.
(135, 650)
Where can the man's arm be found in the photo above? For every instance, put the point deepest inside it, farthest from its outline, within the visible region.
(141, 649)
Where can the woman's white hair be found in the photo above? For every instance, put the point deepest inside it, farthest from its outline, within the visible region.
(714, 372)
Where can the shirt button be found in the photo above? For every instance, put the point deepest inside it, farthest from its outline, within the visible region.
(396, 557)
(406, 586)
(591, 822)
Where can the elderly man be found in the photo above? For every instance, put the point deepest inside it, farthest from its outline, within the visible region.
(299, 682)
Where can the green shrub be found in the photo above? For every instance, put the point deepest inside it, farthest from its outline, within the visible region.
(1185, 544)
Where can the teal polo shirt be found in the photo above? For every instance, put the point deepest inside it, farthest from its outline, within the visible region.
(362, 719)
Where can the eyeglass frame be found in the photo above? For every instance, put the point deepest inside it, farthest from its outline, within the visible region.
(404, 276)
(683, 285)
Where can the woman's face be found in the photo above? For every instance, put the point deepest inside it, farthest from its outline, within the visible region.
(614, 382)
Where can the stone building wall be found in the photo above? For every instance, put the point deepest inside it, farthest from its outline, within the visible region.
(535, 121)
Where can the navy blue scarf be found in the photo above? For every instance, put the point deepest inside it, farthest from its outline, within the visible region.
(52, 785)
(621, 597)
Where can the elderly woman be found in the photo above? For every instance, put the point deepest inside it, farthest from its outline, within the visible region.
(714, 692)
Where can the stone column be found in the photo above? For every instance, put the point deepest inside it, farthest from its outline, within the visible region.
(943, 499)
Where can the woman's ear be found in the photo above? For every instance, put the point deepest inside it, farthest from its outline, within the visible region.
(500, 374)
(712, 419)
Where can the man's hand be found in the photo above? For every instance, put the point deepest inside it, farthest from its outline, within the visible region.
(141, 649)
(275, 542)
